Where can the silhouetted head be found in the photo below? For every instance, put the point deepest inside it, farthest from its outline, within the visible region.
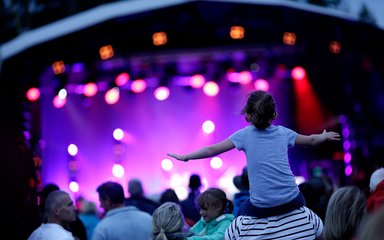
(194, 182)
(242, 181)
(135, 187)
(260, 109)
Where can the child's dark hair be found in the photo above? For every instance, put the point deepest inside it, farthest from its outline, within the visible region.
(215, 197)
(260, 109)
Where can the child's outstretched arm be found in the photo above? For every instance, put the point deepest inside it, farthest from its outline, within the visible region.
(205, 152)
(315, 139)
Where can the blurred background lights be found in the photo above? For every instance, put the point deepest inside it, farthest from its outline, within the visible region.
(181, 192)
(58, 102)
(211, 88)
(118, 134)
(112, 95)
(245, 77)
(348, 170)
(261, 84)
(216, 162)
(90, 89)
(72, 149)
(197, 81)
(225, 182)
(166, 164)
(347, 157)
(346, 132)
(33, 94)
(122, 79)
(106, 52)
(74, 186)
(161, 93)
(289, 38)
(176, 180)
(237, 32)
(347, 145)
(159, 38)
(208, 127)
(62, 93)
(299, 180)
(298, 73)
(255, 67)
(72, 165)
(117, 170)
(138, 86)
(58, 67)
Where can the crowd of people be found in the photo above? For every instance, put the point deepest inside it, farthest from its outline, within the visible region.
(269, 204)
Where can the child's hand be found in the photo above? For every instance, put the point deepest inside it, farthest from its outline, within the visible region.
(178, 157)
(331, 136)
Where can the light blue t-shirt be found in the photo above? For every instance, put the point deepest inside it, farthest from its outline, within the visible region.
(271, 180)
(124, 223)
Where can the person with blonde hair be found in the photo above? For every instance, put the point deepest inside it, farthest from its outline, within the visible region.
(346, 213)
(168, 223)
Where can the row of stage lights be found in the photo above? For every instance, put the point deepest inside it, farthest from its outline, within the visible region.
(161, 93)
(210, 88)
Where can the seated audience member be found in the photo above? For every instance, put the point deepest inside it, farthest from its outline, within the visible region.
(137, 198)
(317, 191)
(76, 227)
(189, 205)
(89, 216)
(346, 213)
(242, 183)
(169, 195)
(216, 215)
(169, 224)
(300, 223)
(59, 212)
(373, 229)
(120, 222)
(376, 186)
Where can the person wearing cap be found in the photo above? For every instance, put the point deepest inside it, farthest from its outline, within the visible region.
(376, 186)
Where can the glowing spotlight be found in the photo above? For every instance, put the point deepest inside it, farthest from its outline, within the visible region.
(74, 186)
(166, 164)
(118, 170)
(122, 79)
(348, 170)
(72, 149)
(347, 158)
(216, 163)
(90, 89)
(299, 180)
(245, 77)
(58, 102)
(181, 192)
(237, 32)
(208, 127)
(162, 93)
(176, 179)
(33, 94)
(197, 81)
(138, 86)
(118, 134)
(211, 88)
(261, 84)
(298, 73)
(112, 96)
